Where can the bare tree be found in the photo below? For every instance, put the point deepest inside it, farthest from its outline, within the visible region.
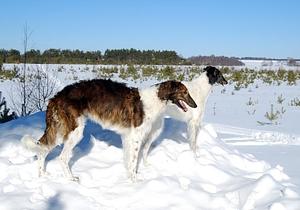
(40, 86)
(24, 94)
(34, 87)
(43, 87)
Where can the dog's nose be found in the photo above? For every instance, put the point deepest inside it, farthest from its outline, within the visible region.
(224, 82)
(192, 103)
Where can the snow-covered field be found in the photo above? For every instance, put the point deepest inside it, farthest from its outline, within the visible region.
(246, 161)
(268, 64)
(220, 178)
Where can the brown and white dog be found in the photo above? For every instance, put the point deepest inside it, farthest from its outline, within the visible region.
(127, 111)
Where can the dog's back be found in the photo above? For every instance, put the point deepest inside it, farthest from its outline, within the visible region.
(111, 101)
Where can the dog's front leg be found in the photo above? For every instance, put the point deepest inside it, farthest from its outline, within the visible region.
(193, 129)
(155, 132)
(131, 146)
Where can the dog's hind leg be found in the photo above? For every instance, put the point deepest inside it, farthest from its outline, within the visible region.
(73, 138)
(46, 144)
(42, 154)
(155, 132)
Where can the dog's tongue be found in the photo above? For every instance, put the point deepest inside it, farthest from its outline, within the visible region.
(182, 104)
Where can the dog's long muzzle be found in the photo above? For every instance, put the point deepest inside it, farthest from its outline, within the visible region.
(190, 101)
(223, 81)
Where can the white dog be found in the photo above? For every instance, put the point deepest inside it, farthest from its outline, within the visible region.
(199, 88)
(127, 111)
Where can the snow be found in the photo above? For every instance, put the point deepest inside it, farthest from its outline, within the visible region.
(241, 164)
(268, 65)
(221, 177)
(228, 106)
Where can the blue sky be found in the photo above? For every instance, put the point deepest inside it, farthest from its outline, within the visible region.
(225, 27)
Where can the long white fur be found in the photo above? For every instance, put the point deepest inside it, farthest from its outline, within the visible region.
(199, 89)
(132, 138)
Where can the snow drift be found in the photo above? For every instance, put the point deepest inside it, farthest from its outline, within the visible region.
(219, 178)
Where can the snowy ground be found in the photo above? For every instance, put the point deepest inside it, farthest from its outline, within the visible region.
(220, 178)
(269, 65)
(242, 165)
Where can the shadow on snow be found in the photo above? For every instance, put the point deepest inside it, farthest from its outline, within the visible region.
(173, 129)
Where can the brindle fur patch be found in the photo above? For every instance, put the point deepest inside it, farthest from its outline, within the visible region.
(168, 89)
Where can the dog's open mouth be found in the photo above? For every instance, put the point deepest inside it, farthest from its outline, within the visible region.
(182, 105)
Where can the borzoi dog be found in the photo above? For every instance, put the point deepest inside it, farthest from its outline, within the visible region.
(127, 111)
(199, 88)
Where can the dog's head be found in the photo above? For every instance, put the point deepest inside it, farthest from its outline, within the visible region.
(177, 93)
(215, 76)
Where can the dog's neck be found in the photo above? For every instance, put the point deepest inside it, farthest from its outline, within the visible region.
(153, 105)
(199, 88)
(203, 81)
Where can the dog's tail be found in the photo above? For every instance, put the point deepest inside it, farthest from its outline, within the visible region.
(47, 141)
(30, 143)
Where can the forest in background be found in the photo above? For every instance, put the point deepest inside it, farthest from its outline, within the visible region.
(112, 56)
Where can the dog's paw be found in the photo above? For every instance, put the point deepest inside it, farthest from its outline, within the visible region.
(133, 177)
(74, 178)
(137, 178)
(43, 173)
(197, 152)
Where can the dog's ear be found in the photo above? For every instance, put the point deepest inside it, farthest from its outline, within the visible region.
(215, 72)
(207, 68)
(168, 89)
(174, 86)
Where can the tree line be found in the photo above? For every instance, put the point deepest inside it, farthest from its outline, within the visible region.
(216, 60)
(114, 56)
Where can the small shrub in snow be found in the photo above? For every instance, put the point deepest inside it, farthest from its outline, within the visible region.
(295, 102)
(251, 106)
(149, 71)
(250, 102)
(237, 86)
(180, 77)
(9, 74)
(61, 69)
(282, 110)
(133, 72)
(193, 72)
(225, 70)
(123, 74)
(281, 75)
(106, 72)
(280, 99)
(272, 116)
(167, 73)
(291, 78)
(251, 112)
(4, 111)
(215, 109)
